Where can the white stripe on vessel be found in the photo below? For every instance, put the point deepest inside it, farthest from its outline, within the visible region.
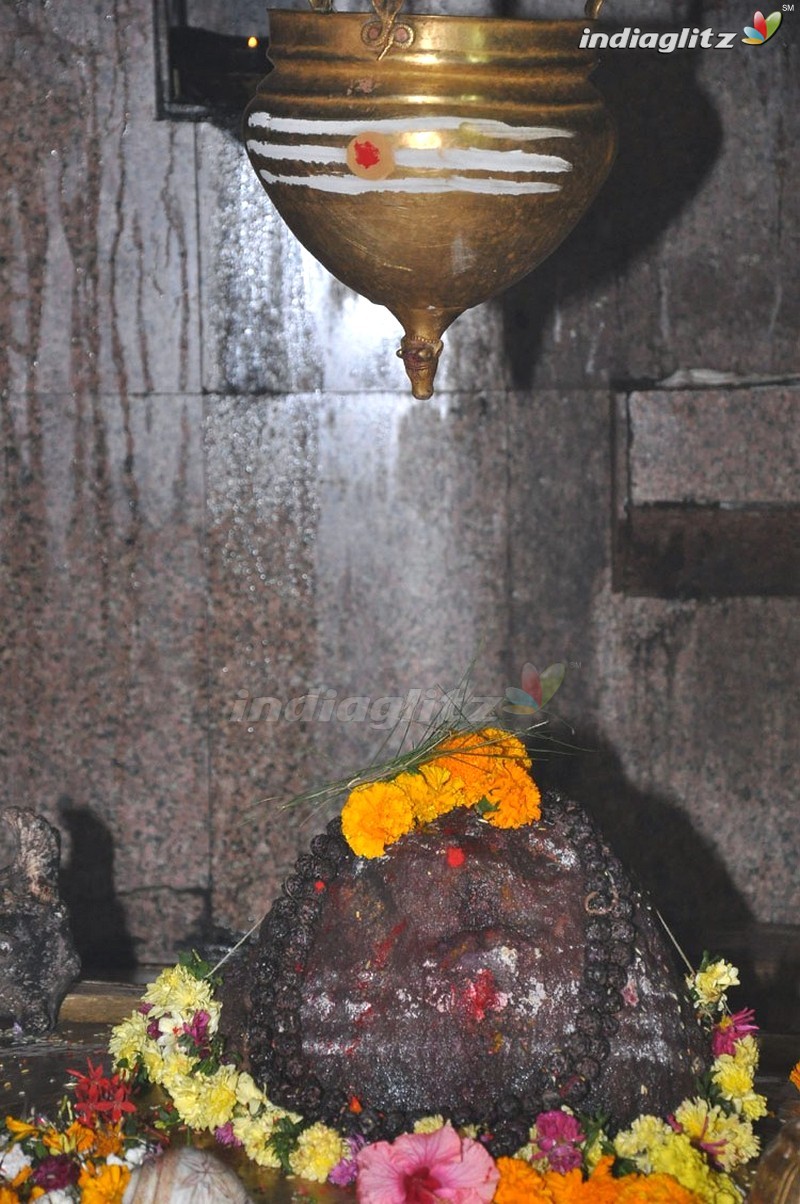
(479, 160)
(430, 158)
(393, 125)
(302, 153)
(352, 185)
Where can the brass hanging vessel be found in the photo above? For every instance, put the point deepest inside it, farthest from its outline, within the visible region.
(429, 162)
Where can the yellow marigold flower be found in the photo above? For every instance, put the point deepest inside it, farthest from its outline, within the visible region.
(794, 1076)
(429, 1124)
(8, 1195)
(712, 983)
(318, 1150)
(375, 815)
(255, 1132)
(515, 795)
(206, 1101)
(103, 1185)
(175, 1068)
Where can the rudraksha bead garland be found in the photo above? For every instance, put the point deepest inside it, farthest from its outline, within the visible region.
(275, 1037)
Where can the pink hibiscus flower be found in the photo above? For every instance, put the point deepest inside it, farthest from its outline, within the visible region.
(424, 1168)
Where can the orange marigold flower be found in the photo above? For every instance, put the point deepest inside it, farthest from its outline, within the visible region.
(8, 1195)
(432, 792)
(108, 1141)
(794, 1076)
(477, 758)
(103, 1185)
(376, 814)
(520, 1183)
(515, 796)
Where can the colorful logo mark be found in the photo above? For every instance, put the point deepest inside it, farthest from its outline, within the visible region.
(762, 28)
(537, 689)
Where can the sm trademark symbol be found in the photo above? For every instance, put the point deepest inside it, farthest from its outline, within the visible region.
(788, 8)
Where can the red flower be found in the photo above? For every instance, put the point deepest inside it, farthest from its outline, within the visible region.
(100, 1098)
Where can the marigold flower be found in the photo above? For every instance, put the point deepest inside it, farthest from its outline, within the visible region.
(206, 1101)
(515, 797)
(520, 1183)
(375, 815)
(432, 792)
(103, 1185)
(794, 1076)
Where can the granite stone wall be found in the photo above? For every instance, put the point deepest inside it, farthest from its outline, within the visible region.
(216, 489)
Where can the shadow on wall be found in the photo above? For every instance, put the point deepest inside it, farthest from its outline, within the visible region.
(87, 886)
(669, 136)
(682, 873)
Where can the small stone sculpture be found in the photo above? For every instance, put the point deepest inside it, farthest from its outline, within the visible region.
(37, 957)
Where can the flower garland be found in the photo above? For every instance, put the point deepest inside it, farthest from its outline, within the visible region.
(172, 1040)
(485, 769)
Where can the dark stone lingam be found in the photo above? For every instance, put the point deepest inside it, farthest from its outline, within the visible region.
(480, 973)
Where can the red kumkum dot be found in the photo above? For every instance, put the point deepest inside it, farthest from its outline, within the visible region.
(366, 154)
(455, 856)
(319, 885)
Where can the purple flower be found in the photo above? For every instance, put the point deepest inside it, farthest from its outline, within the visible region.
(558, 1136)
(731, 1029)
(226, 1136)
(198, 1029)
(56, 1171)
(346, 1171)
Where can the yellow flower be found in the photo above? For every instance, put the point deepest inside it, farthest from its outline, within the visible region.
(20, 1129)
(745, 1052)
(175, 1067)
(754, 1106)
(128, 1039)
(712, 983)
(103, 1185)
(645, 1135)
(254, 1132)
(76, 1139)
(429, 1124)
(318, 1151)
(375, 815)
(179, 993)
(8, 1195)
(677, 1156)
(249, 1094)
(734, 1079)
(206, 1101)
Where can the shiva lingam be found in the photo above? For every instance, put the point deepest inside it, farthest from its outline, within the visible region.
(430, 162)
